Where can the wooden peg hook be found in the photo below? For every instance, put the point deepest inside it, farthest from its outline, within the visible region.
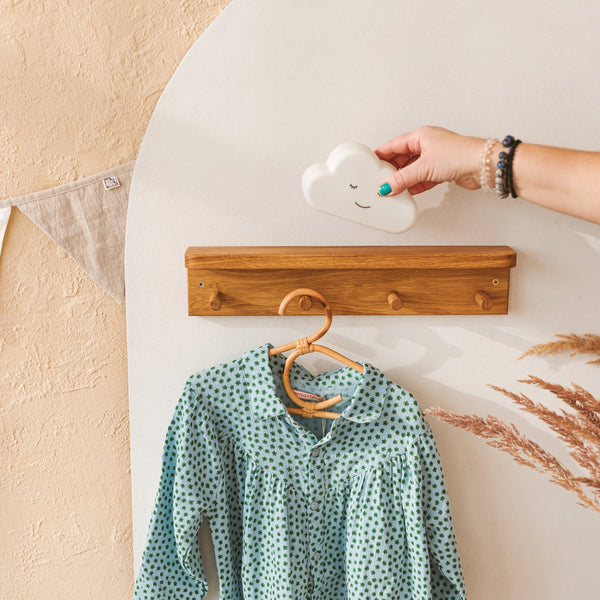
(305, 302)
(216, 300)
(395, 301)
(483, 300)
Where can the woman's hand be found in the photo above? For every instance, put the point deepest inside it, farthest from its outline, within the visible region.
(428, 156)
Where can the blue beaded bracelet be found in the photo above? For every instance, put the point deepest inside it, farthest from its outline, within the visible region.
(503, 182)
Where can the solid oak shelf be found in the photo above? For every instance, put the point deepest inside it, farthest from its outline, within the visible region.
(356, 280)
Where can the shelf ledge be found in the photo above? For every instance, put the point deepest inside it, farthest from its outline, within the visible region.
(356, 280)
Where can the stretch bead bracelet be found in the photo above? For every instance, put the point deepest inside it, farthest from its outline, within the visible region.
(503, 181)
(486, 161)
(509, 170)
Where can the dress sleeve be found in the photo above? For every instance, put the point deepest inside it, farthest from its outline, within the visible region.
(433, 553)
(190, 480)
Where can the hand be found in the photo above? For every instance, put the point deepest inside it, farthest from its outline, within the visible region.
(431, 155)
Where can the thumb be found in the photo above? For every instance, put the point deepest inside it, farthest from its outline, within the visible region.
(401, 180)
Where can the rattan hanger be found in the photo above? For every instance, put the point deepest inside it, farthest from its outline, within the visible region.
(304, 346)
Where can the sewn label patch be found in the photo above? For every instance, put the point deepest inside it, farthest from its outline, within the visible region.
(111, 182)
(309, 396)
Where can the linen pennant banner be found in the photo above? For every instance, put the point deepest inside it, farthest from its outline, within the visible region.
(87, 219)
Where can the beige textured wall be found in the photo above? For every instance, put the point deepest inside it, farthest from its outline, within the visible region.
(79, 80)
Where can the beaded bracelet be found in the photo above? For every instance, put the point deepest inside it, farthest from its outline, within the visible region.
(484, 173)
(509, 171)
(504, 183)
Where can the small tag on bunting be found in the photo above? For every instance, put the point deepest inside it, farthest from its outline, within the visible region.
(111, 182)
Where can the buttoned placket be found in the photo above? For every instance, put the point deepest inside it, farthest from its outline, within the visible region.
(314, 515)
(314, 485)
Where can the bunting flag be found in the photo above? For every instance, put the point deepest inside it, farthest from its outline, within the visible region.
(86, 218)
(4, 215)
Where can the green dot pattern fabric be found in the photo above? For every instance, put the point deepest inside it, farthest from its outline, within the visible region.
(300, 508)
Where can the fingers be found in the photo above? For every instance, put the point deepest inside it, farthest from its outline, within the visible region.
(407, 144)
(407, 178)
(418, 155)
(401, 151)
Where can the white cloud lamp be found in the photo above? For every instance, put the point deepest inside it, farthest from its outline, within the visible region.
(347, 186)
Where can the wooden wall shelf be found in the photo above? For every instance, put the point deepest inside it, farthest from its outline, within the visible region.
(356, 280)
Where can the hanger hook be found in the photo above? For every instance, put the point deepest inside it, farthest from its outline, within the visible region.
(308, 292)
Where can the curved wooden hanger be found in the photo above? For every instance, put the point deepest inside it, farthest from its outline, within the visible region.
(304, 346)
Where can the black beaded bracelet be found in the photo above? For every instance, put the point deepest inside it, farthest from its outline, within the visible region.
(504, 180)
(509, 170)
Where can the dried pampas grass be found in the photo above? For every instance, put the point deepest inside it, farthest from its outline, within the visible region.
(578, 429)
(588, 343)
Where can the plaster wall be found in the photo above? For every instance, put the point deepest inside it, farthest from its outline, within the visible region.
(78, 83)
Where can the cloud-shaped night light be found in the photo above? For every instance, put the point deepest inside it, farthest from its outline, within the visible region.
(347, 186)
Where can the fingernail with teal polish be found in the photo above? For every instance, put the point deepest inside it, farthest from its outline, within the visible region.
(385, 189)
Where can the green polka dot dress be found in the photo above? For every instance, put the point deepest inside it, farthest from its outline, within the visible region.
(353, 508)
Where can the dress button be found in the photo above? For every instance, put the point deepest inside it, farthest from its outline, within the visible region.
(314, 505)
(317, 556)
(315, 452)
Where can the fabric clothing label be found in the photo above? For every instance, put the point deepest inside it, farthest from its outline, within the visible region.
(309, 396)
(111, 182)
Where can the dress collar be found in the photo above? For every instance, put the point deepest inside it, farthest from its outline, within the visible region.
(261, 372)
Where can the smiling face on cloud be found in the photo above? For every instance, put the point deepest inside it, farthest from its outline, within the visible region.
(347, 186)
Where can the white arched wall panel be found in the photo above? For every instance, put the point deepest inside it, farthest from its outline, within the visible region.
(270, 88)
